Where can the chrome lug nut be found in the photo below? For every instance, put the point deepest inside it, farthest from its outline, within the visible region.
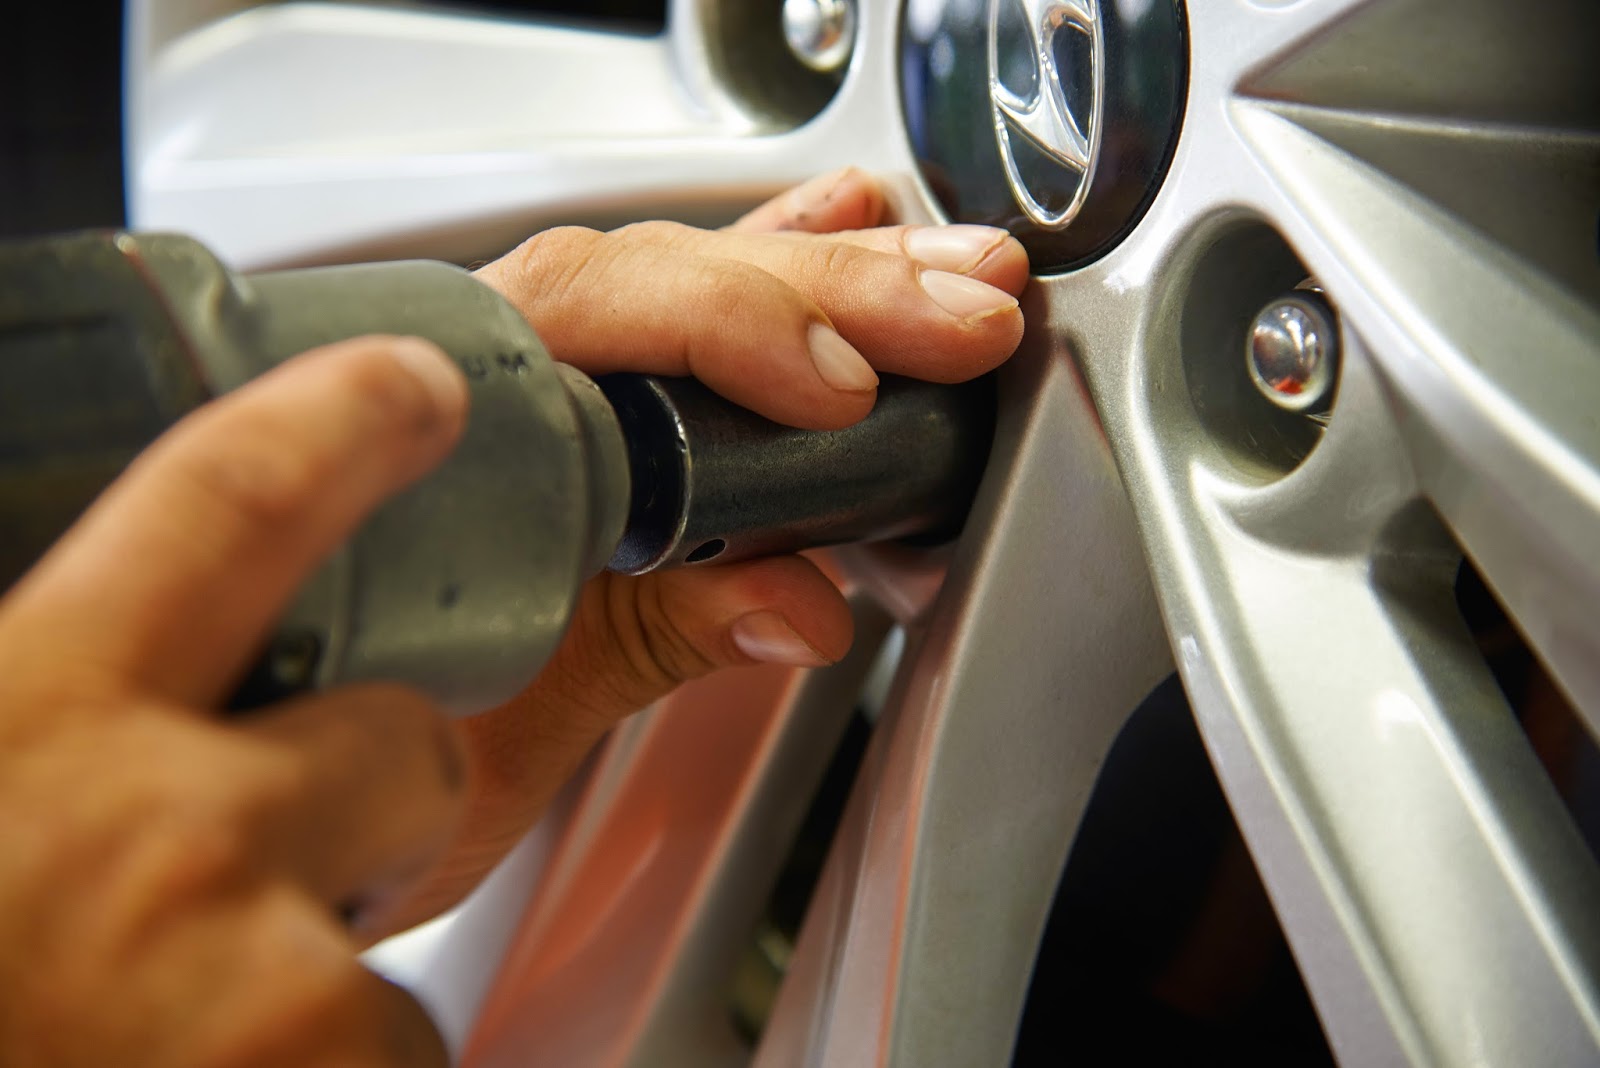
(820, 33)
(1293, 352)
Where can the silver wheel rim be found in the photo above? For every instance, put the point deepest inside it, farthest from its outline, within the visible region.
(1436, 166)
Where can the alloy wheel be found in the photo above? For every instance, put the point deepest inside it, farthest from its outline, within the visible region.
(1433, 166)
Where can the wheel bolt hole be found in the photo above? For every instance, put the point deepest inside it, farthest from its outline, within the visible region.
(1259, 350)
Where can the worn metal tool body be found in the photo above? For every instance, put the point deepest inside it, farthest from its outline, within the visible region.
(463, 584)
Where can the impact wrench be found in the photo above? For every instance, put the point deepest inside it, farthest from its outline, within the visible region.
(462, 585)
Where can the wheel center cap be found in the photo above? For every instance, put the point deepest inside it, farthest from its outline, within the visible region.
(1054, 118)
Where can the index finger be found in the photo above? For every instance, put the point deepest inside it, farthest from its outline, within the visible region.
(169, 581)
(847, 199)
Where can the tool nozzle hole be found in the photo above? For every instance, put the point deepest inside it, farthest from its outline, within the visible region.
(707, 551)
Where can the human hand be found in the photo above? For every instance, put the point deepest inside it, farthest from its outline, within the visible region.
(171, 885)
(747, 311)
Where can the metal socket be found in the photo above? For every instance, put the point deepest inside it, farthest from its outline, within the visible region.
(713, 482)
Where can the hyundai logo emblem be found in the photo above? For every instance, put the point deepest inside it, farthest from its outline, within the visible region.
(1064, 129)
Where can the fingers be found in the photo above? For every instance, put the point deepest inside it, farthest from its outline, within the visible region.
(848, 199)
(849, 205)
(911, 297)
(614, 302)
(799, 338)
(208, 859)
(153, 888)
(985, 253)
(171, 578)
(789, 325)
(379, 786)
(636, 639)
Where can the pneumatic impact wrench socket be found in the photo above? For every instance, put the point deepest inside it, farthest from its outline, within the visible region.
(463, 584)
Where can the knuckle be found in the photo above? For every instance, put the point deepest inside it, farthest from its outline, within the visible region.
(656, 232)
(198, 855)
(190, 855)
(657, 654)
(551, 257)
(834, 260)
(565, 272)
(624, 653)
(557, 241)
(213, 825)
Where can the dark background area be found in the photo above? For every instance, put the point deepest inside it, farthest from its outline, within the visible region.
(60, 117)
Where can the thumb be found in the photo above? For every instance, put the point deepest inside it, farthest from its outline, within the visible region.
(632, 641)
(635, 639)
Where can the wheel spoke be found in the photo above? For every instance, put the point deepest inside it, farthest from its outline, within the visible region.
(1485, 351)
(1425, 870)
(1420, 859)
(687, 862)
(1012, 691)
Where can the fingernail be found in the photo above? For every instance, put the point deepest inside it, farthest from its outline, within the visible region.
(436, 371)
(766, 636)
(811, 195)
(965, 298)
(839, 364)
(957, 248)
